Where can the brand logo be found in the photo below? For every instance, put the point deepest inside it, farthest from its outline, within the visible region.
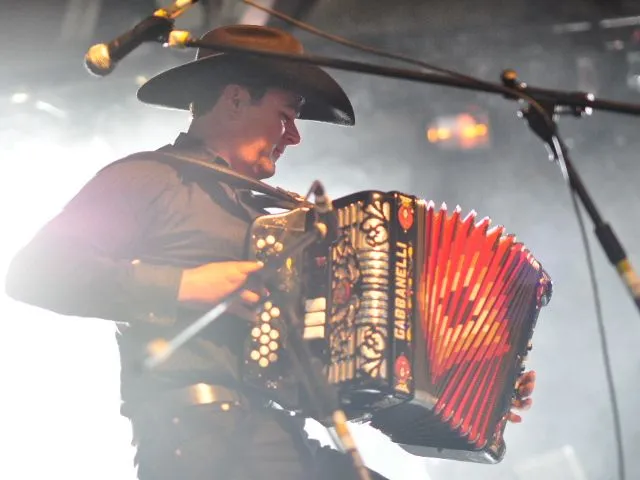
(402, 370)
(406, 213)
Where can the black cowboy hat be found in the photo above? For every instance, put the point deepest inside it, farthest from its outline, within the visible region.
(325, 101)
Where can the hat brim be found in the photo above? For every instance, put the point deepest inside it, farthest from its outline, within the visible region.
(325, 100)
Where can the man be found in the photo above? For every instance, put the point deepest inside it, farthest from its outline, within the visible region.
(152, 243)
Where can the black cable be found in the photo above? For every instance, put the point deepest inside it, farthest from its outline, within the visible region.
(365, 48)
(556, 141)
(606, 358)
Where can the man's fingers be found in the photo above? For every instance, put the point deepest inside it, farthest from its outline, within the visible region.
(238, 274)
(250, 297)
(514, 418)
(524, 404)
(248, 267)
(526, 377)
(525, 390)
(525, 384)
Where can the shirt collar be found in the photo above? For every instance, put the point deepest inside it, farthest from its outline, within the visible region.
(195, 145)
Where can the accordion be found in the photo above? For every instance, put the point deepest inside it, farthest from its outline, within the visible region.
(421, 319)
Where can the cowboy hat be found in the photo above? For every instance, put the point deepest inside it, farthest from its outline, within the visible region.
(325, 101)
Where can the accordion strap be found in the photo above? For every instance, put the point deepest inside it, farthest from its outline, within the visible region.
(270, 196)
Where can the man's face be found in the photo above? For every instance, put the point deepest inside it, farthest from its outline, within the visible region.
(263, 129)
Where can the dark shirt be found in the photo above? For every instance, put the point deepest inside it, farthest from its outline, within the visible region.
(118, 249)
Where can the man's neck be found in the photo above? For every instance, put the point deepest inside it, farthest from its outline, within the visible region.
(210, 141)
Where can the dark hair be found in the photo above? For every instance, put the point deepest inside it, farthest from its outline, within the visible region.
(207, 100)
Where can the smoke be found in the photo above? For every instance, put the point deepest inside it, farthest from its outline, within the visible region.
(569, 426)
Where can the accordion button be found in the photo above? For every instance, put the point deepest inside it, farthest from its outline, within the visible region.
(261, 243)
(270, 239)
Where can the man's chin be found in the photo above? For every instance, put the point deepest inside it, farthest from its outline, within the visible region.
(266, 168)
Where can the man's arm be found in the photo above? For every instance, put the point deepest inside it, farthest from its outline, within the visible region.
(80, 262)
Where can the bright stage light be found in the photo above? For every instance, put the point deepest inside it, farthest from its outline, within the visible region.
(464, 131)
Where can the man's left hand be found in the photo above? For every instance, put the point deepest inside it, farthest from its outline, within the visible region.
(524, 388)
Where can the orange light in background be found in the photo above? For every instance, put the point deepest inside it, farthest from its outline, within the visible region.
(437, 134)
(460, 132)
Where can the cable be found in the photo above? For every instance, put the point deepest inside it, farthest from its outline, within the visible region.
(403, 58)
(615, 411)
(557, 145)
(606, 358)
(350, 43)
(358, 46)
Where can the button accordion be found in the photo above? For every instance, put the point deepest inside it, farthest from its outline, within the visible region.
(421, 318)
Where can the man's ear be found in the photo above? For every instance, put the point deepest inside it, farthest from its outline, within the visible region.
(235, 99)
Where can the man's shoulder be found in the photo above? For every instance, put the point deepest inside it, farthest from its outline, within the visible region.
(141, 163)
(138, 174)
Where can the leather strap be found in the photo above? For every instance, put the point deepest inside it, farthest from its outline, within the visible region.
(285, 199)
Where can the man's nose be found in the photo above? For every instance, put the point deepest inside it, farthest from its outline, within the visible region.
(291, 134)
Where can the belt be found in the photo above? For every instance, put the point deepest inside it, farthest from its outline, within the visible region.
(204, 394)
(193, 395)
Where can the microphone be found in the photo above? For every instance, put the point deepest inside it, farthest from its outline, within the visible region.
(102, 58)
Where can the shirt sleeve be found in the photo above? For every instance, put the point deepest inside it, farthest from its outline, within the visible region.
(80, 263)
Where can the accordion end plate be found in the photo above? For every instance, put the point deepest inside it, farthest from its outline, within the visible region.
(487, 456)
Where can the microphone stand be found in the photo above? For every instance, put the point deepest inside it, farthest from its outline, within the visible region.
(322, 396)
(159, 355)
(541, 122)
(543, 104)
(181, 39)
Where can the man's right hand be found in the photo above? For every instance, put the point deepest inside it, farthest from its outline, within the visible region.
(206, 285)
